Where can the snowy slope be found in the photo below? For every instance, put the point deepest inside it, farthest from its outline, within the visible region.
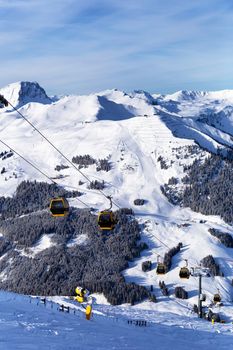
(213, 108)
(27, 324)
(134, 133)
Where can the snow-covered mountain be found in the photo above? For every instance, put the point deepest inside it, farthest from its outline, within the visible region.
(24, 92)
(147, 139)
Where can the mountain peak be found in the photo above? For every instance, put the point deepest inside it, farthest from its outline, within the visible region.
(190, 95)
(185, 95)
(144, 95)
(23, 92)
(112, 93)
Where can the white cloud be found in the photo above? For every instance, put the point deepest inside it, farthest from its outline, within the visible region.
(92, 44)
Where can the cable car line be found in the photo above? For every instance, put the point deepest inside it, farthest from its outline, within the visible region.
(28, 161)
(40, 171)
(60, 206)
(161, 241)
(67, 159)
(161, 268)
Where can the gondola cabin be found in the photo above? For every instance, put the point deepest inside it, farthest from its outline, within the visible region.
(217, 298)
(160, 269)
(184, 273)
(106, 220)
(59, 207)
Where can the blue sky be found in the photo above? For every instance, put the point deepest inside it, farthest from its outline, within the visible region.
(84, 46)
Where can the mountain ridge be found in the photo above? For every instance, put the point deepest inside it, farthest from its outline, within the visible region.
(34, 90)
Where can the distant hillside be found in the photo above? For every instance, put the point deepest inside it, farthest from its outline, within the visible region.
(207, 188)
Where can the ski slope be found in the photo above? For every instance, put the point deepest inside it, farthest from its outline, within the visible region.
(30, 325)
(133, 133)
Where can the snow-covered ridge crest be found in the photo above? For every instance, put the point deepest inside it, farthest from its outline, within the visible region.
(143, 95)
(185, 95)
(189, 95)
(212, 109)
(22, 92)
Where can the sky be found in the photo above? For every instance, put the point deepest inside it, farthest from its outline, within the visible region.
(85, 46)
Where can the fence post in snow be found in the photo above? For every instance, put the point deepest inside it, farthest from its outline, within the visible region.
(199, 298)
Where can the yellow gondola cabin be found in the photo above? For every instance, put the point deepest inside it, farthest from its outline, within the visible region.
(59, 207)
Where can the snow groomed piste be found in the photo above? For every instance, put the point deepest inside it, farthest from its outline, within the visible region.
(28, 323)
